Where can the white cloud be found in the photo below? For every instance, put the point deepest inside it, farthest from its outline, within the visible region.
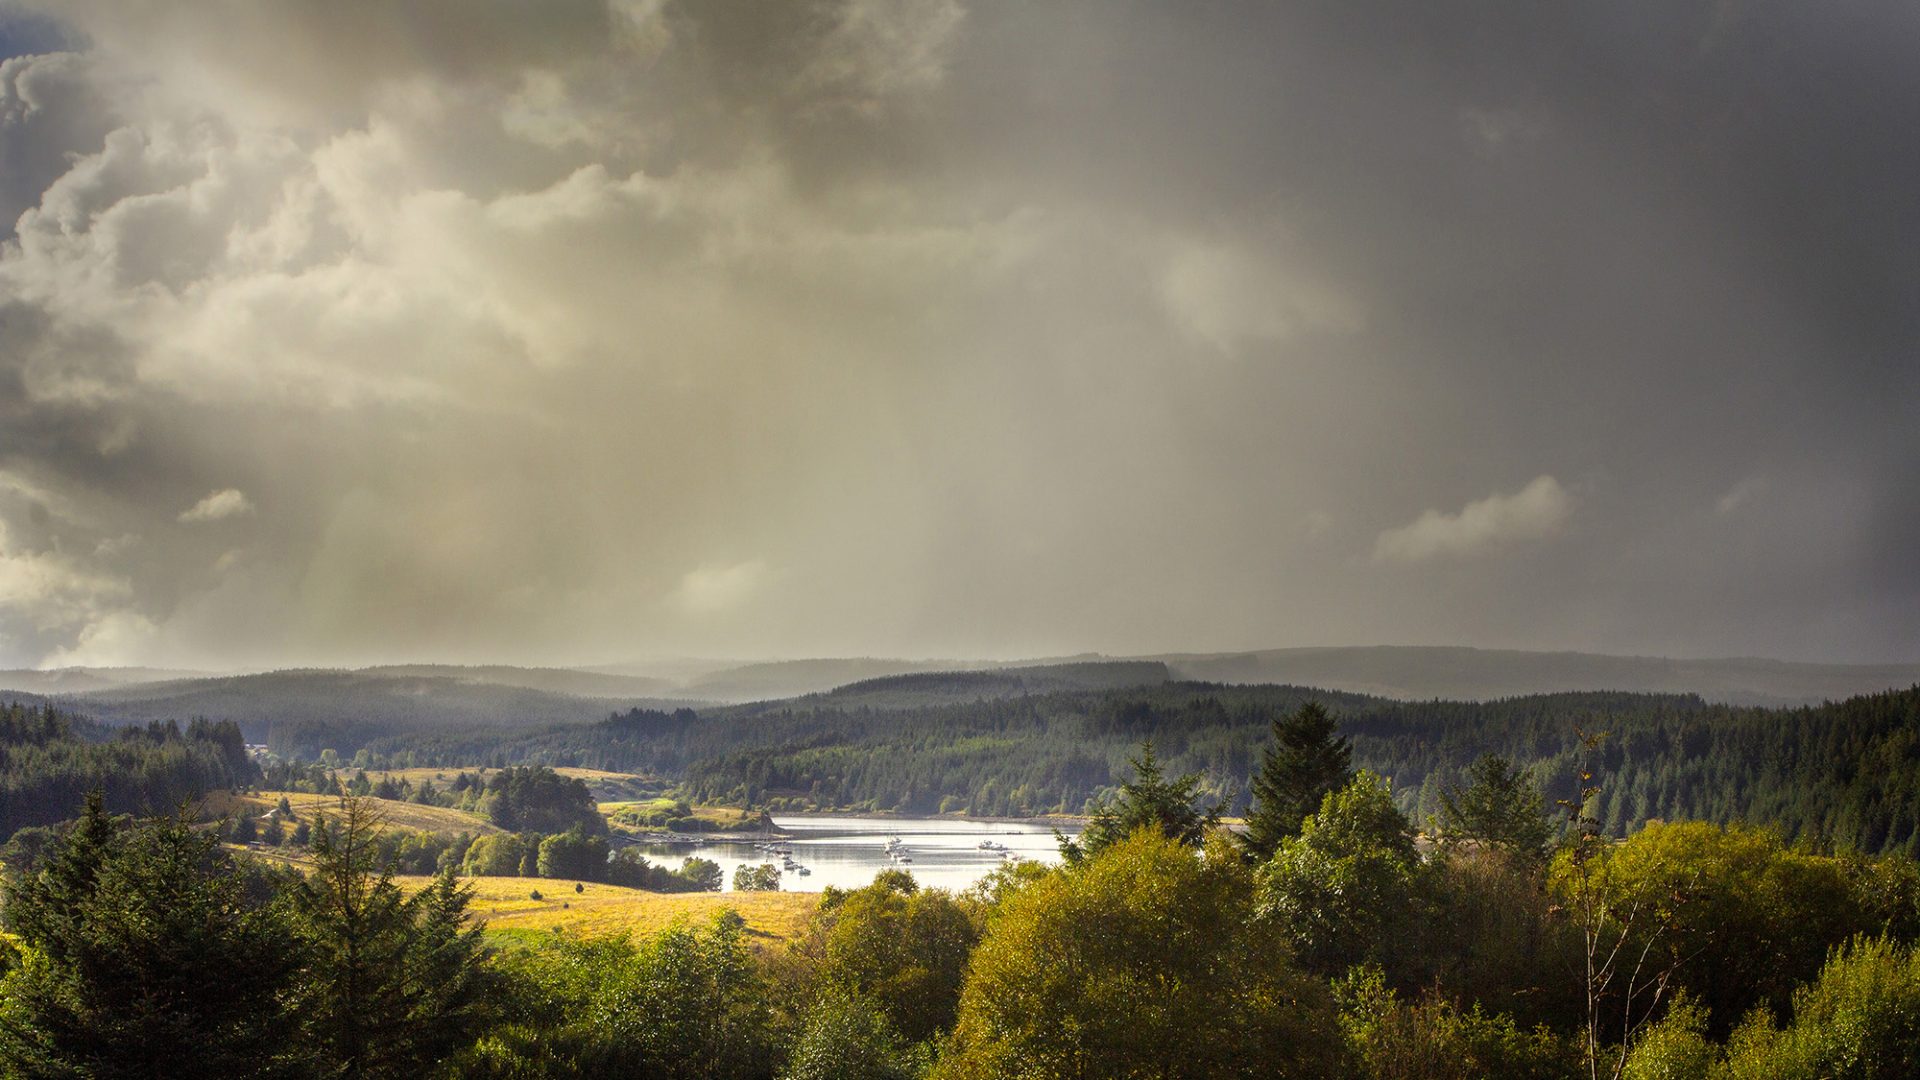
(49, 591)
(1538, 511)
(231, 502)
(1230, 298)
(711, 589)
(1741, 494)
(881, 48)
(116, 639)
(1494, 130)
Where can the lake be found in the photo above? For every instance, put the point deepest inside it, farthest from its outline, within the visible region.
(847, 851)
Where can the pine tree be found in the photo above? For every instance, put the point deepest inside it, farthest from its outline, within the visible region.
(152, 962)
(395, 982)
(1148, 801)
(43, 907)
(1500, 808)
(1304, 765)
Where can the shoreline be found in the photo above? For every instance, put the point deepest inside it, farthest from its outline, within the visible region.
(758, 836)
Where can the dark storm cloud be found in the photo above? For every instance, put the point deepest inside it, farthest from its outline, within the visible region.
(545, 332)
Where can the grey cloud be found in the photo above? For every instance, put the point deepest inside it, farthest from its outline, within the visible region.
(578, 331)
(1538, 511)
(49, 112)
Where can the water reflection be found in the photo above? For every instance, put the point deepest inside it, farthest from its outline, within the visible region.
(846, 850)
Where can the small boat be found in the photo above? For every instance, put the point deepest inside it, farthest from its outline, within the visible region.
(803, 871)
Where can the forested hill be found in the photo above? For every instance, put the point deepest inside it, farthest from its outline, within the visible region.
(923, 689)
(1846, 773)
(50, 760)
(1421, 673)
(305, 710)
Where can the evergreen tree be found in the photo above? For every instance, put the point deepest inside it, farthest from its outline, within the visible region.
(395, 982)
(1304, 765)
(1148, 801)
(44, 907)
(1501, 808)
(144, 959)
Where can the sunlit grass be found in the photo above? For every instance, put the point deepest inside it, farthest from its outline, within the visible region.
(604, 783)
(405, 815)
(507, 906)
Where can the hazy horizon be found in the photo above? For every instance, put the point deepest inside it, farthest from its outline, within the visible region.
(593, 331)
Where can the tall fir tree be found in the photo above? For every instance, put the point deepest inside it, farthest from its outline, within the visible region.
(144, 958)
(395, 983)
(1305, 764)
(1500, 808)
(1148, 801)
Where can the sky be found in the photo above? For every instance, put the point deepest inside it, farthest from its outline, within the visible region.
(593, 330)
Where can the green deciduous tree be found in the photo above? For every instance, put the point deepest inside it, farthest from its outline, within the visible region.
(574, 854)
(1675, 1048)
(1304, 764)
(1340, 889)
(1142, 961)
(683, 1005)
(847, 1038)
(1860, 1019)
(762, 878)
(1728, 914)
(1435, 1039)
(898, 947)
(702, 874)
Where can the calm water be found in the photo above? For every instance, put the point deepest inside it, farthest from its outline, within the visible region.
(847, 851)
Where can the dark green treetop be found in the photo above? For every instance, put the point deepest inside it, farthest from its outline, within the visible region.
(1305, 764)
(1501, 807)
(1148, 801)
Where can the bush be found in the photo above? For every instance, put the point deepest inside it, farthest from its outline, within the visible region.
(1340, 889)
(846, 1038)
(1860, 1019)
(1143, 961)
(1434, 1039)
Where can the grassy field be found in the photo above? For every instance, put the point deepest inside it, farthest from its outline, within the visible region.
(507, 906)
(605, 785)
(405, 815)
(626, 816)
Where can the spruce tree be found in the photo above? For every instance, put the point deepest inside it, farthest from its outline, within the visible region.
(43, 907)
(1148, 801)
(1303, 766)
(1500, 808)
(145, 959)
(394, 982)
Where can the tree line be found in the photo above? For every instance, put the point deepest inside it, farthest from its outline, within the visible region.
(1844, 774)
(50, 759)
(1322, 941)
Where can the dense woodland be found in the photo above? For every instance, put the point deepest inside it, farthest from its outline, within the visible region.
(1609, 885)
(1841, 775)
(1316, 944)
(50, 760)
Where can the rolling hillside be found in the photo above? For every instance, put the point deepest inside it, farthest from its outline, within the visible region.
(1421, 673)
(344, 708)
